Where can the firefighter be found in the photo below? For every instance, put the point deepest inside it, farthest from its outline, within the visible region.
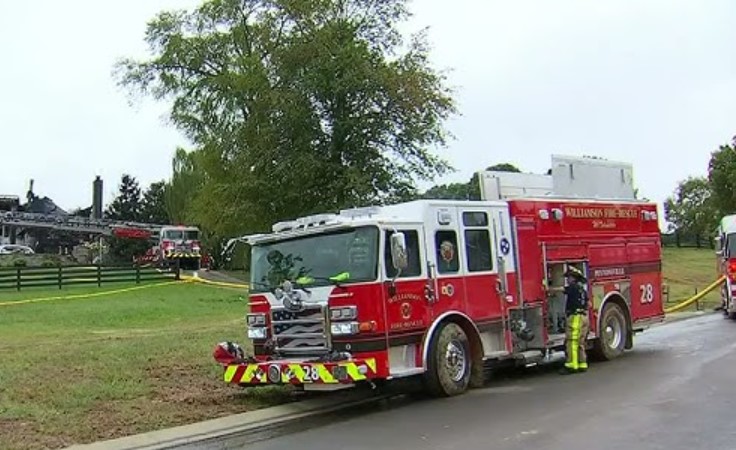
(577, 323)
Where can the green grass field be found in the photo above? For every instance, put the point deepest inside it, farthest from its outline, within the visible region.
(687, 271)
(86, 369)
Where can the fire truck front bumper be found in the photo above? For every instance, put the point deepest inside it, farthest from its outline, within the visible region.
(181, 254)
(301, 372)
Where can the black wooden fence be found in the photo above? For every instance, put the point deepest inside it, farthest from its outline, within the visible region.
(34, 277)
(687, 240)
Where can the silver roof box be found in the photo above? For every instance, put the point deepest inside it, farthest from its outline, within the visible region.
(570, 177)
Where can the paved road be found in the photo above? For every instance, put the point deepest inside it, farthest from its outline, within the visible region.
(676, 390)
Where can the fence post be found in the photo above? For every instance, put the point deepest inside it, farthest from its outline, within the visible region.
(137, 274)
(99, 275)
(697, 302)
(17, 278)
(59, 276)
(178, 269)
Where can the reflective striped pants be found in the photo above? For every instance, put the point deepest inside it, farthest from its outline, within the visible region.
(576, 333)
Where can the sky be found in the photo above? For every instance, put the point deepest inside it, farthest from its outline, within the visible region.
(651, 82)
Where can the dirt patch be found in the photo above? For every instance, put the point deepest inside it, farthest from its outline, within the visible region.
(28, 435)
(198, 394)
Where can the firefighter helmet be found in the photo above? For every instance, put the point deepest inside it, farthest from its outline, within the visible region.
(575, 273)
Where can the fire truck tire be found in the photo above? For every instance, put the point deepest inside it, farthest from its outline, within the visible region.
(613, 334)
(449, 362)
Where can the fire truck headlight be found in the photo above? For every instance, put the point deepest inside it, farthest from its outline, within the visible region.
(257, 333)
(344, 313)
(344, 328)
(256, 320)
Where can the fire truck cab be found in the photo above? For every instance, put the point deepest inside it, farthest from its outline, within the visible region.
(179, 243)
(726, 255)
(442, 288)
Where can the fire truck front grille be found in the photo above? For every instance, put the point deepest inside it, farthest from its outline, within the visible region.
(303, 332)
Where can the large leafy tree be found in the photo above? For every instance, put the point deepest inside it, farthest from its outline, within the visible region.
(295, 106)
(722, 178)
(691, 210)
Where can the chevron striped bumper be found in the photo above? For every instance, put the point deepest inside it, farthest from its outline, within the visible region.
(175, 254)
(286, 372)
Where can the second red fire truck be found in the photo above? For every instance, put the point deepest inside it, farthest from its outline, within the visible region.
(439, 289)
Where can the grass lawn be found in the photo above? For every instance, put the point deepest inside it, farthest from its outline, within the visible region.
(687, 270)
(80, 370)
(86, 369)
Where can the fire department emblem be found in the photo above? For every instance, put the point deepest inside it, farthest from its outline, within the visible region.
(405, 310)
(447, 251)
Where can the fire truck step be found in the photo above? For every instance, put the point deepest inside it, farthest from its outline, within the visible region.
(530, 357)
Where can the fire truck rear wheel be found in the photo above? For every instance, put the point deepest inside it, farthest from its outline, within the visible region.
(613, 333)
(449, 362)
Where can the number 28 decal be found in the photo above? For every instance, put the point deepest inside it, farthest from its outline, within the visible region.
(311, 373)
(647, 293)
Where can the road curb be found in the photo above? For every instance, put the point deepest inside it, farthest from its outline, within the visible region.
(238, 424)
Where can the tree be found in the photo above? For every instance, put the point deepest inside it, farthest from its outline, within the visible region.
(153, 205)
(295, 106)
(466, 191)
(722, 178)
(184, 187)
(127, 204)
(504, 167)
(453, 191)
(691, 210)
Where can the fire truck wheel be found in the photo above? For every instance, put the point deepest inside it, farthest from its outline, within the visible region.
(613, 333)
(449, 362)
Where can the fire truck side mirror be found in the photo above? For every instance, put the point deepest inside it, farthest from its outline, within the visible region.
(399, 257)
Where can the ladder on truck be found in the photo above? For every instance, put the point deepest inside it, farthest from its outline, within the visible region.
(82, 225)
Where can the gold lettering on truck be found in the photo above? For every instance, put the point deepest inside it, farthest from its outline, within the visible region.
(601, 218)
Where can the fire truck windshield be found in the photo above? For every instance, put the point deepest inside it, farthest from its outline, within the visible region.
(731, 245)
(179, 235)
(352, 254)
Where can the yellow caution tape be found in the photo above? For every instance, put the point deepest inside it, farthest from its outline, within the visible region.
(80, 296)
(685, 303)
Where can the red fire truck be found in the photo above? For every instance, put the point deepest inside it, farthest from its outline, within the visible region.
(726, 263)
(440, 289)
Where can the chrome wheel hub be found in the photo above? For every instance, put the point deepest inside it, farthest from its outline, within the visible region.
(455, 361)
(613, 333)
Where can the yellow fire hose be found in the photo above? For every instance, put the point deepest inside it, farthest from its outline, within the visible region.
(682, 305)
(685, 303)
(197, 279)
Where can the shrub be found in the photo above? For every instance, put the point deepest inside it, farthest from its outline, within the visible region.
(19, 263)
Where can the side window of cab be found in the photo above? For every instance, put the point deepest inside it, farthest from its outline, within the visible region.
(412, 249)
(448, 260)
